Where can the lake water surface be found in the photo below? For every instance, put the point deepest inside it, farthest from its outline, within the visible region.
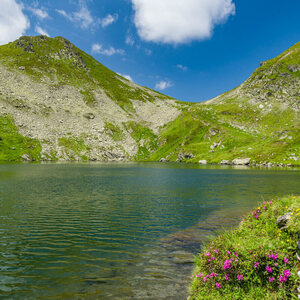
(118, 231)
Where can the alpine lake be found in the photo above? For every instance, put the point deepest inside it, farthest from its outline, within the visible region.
(119, 231)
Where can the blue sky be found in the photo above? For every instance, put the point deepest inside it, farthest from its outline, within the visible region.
(192, 50)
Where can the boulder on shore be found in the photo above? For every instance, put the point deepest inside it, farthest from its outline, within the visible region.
(282, 220)
(225, 162)
(203, 162)
(241, 161)
(183, 156)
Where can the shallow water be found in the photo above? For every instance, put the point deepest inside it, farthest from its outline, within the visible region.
(118, 231)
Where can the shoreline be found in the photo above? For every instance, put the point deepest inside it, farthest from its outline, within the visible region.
(233, 166)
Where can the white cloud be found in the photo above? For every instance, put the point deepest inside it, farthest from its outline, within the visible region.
(109, 19)
(163, 84)
(98, 49)
(179, 21)
(82, 17)
(129, 40)
(63, 13)
(181, 67)
(13, 23)
(40, 13)
(41, 31)
(128, 77)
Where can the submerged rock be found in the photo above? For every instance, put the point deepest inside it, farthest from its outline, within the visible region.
(183, 257)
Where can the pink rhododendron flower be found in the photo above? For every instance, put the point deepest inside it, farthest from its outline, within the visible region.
(286, 260)
(256, 217)
(228, 252)
(204, 279)
(269, 269)
(216, 251)
(271, 279)
(227, 264)
(256, 264)
(199, 275)
(227, 277)
(218, 285)
(275, 256)
(213, 275)
(212, 258)
(276, 264)
(287, 273)
(207, 254)
(240, 277)
(282, 278)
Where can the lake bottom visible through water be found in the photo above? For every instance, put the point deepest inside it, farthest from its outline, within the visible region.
(118, 231)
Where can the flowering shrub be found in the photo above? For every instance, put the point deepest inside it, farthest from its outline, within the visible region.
(265, 258)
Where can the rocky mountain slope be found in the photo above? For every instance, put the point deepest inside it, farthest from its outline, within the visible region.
(58, 103)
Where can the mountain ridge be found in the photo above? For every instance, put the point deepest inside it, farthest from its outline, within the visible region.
(59, 103)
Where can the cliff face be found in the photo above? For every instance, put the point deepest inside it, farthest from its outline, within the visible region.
(74, 108)
(58, 103)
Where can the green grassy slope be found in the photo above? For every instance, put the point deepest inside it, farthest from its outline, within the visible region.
(259, 120)
(13, 145)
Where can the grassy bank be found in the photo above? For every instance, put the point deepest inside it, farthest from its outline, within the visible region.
(254, 261)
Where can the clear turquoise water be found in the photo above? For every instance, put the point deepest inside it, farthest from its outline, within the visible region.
(118, 231)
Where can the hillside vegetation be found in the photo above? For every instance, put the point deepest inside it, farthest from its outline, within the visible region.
(69, 106)
(257, 260)
(257, 120)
